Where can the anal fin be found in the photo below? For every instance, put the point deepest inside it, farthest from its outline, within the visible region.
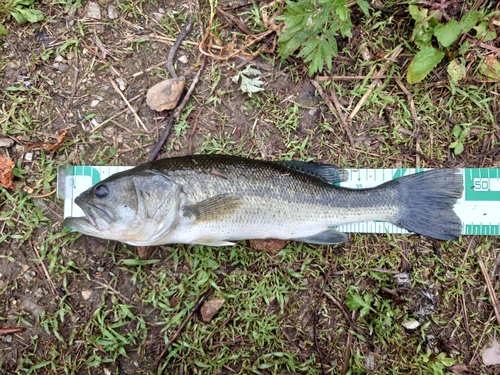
(213, 242)
(328, 237)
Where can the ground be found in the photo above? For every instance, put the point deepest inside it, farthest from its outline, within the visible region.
(377, 304)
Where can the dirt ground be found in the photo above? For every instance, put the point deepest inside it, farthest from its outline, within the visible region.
(74, 73)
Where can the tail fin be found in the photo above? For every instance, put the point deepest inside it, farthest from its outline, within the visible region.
(427, 201)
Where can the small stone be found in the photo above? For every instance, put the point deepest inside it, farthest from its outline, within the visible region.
(210, 308)
(165, 94)
(271, 245)
(63, 68)
(36, 309)
(112, 12)
(59, 58)
(28, 156)
(411, 324)
(70, 55)
(95, 121)
(121, 83)
(161, 10)
(86, 294)
(93, 11)
(94, 103)
(29, 275)
(6, 142)
(157, 16)
(183, 59)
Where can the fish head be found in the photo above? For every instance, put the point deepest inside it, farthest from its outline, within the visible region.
(137, 208)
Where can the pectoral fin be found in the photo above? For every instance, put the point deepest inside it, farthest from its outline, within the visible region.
(328, 237)
(214, 208)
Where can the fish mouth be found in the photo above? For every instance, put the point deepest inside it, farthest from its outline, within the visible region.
(92, 211)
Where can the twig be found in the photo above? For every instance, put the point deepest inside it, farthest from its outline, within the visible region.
(170, 59)
(115, 115)
(10, 330)
(350, 320)
(491, 290)
(164, 136)
(191, 313)
(348, 78)
(334, 110)
(374, 83)
(347, 353)
(182, 104)
(231, 317)
(118, 294)
(44, 195)
(128, 104)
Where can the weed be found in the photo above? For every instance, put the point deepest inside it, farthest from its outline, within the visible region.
(312, 27)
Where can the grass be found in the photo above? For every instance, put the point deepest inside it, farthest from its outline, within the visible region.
(95, 307)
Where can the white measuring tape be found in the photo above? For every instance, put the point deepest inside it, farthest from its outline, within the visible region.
(479, 207)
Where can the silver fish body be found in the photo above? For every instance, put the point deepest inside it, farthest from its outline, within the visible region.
(217, 199)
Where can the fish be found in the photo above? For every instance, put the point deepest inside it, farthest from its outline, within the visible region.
(217, 200)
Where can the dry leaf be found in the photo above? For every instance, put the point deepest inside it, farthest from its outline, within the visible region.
(460, 369)
(491, 355)
(6, 175)
(210, 308)
(51, 146)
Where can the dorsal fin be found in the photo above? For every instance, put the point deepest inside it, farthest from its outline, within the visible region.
(330, 174)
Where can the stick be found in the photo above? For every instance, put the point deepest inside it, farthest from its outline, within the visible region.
(128, 104)
(491, 290)
(368, 92)
(115, 115)
(334, 110)
(163, 139)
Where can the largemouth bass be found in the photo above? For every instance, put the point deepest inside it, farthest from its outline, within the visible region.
(217, 199)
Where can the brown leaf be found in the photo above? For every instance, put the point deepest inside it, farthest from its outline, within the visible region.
(6, 175)
(47, 146)
(10, 330)
(271, 245)
(460, 369)
(210, 308)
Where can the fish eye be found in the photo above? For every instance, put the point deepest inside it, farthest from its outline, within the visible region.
(101, 191)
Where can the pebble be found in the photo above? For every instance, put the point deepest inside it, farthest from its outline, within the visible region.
(94, 103)
(93, 11)
(63, 68)
(121, 83)
(29, 275)
(86, 294)
(28, 156)
(59, 58)
(6, 142)
(112, 12)
(183, 59)
(157, 16)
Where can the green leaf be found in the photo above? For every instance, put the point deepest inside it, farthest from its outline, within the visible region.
(490, 69)
(3, 30)
(364, 6)
(469, 20)
(423, 62)
(456, 70)
(457, 129)
(417, 14)
(449, 32)
(459, 148)
(30, 15)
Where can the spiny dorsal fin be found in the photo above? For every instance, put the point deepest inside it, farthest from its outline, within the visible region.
(213, 208)
(330, 174)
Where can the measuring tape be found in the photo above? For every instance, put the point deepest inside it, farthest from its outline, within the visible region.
(479, 207)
